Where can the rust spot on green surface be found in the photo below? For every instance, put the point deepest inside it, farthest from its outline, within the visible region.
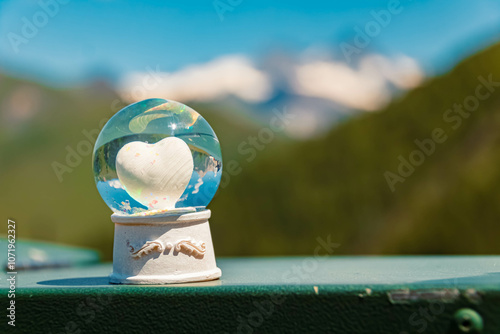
(404, 296)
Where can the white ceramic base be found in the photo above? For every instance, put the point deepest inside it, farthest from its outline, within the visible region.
(163, 249)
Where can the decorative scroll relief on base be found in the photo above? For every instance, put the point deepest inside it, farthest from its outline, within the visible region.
(187, 246)
(147, 248)
(191, 247)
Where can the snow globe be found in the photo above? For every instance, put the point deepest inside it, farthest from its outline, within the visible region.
(157, 165)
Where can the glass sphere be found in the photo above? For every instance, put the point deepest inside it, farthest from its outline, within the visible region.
(155, 156)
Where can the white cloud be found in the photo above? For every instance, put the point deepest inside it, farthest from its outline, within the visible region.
(115, 184)
(368, 86)
(365, 87)
(217, 79)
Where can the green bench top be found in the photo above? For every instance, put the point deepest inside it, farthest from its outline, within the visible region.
(412, 294)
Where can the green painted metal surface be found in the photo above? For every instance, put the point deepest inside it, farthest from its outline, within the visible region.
(272, 295)
(37, 255)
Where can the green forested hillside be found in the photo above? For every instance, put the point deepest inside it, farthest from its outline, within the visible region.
(336, 185)
(292, 192)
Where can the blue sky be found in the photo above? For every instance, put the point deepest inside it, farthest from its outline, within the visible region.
(121, 36)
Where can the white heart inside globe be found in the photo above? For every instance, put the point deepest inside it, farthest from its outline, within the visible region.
(155, 175)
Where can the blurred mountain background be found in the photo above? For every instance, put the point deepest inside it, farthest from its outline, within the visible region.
(335, 168)
(294, 190)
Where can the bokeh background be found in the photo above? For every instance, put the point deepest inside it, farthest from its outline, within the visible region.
(355, 86)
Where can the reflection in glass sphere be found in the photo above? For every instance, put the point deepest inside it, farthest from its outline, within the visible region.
(155, 156)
